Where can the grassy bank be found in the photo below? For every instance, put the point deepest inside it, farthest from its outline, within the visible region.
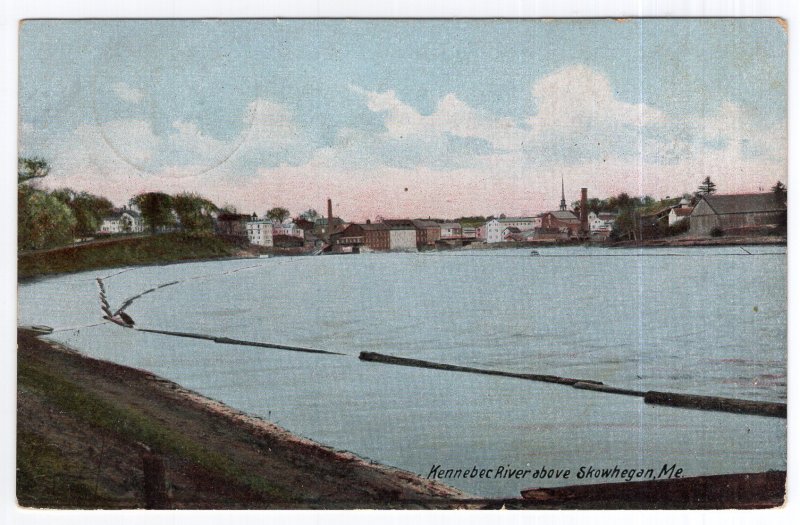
(156, 249)
(85, 426)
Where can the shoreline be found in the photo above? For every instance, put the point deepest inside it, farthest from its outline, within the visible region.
(95, 423)
(230, 451)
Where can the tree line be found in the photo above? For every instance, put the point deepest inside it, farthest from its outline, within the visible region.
(50, 218)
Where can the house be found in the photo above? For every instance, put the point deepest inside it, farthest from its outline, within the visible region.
(677, 215)
(512, 233)
(727, 212)
(288, 228)
(450, 230)
(122, 221)
(259, 231)
(601, 224)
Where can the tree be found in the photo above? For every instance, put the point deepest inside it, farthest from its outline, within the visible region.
(43, 221)
(278, 214)
(707, 187)
(31, 168)
(88, 209)
(194, 212)
(310, 215)
(156, 209)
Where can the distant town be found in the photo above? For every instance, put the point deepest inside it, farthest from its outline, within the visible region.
(705, 214)
(50, 218)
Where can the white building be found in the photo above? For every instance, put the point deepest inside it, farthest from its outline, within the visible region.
(402, 238)
(259, 232)
(450, 230)
(287, 228)
(601, 222)
(496, 227)
(123, 221)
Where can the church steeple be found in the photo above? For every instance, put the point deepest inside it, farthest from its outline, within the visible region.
(563, 206)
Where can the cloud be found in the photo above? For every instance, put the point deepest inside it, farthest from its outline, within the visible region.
(127, 93)
(457, 159)
(578, 98)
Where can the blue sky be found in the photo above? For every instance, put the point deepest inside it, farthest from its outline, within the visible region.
(405, 117)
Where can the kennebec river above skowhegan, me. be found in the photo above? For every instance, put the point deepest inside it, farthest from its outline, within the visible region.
(708, 321)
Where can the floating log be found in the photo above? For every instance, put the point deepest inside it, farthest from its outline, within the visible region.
(403, 361)
(754, 490)
(608, 389)
(722, 404)
(229, 341)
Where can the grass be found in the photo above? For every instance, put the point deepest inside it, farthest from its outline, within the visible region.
(37, 459)
(165, 248)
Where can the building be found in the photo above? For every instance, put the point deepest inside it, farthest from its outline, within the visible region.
(561, 221)
(677, 215)
(288, 228)
(259, 231)
(428, 232)
(601, 224)
(495, 227)
(729, 212)
(450, 230)
(122, 221)
(402, 234)
(376, 236)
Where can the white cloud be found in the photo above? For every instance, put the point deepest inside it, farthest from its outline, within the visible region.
(127, 93)
(577, 97)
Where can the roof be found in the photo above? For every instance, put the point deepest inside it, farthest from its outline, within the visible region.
(564, 215)
(420, 223)
(450, 225)
(744, 203)
(117, 214)
(682, 212)
(515, 219)
(512, 229)
(374, 226)
(400, 224)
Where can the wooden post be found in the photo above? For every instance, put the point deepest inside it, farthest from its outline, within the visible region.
(155, 486)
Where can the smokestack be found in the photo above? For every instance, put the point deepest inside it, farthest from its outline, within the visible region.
(330, 216)
(584, 211)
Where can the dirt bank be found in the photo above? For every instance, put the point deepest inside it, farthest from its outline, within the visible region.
(83, 425)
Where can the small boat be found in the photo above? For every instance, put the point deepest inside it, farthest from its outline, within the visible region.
(534, 252)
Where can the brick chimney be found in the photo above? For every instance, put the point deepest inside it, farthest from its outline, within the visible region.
(330, 217)
(584, 211)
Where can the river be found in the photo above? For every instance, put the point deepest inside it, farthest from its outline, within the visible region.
(706, 321)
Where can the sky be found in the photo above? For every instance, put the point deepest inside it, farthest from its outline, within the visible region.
(405, 118)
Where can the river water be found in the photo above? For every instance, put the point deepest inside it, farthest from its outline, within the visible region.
(706, 321)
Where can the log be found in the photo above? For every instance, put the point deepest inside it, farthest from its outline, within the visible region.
(748, 490)
(419, 363)
(721, 404)
(229, 341)
(608, 389)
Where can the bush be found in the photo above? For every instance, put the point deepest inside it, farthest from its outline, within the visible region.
(716, 231)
